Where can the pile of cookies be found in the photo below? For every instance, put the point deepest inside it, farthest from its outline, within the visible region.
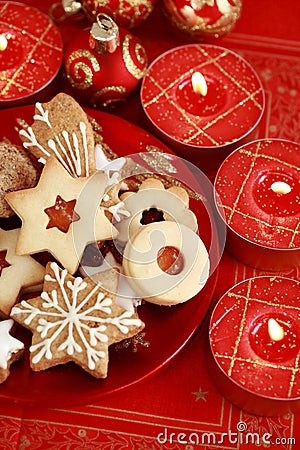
(110, 248)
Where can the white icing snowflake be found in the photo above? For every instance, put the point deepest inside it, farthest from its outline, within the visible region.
(76, 308)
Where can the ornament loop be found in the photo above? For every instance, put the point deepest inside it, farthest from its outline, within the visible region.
(104, 34)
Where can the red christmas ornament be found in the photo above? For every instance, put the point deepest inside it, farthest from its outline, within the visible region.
(201, 19)
(126, 13)
(104, 64)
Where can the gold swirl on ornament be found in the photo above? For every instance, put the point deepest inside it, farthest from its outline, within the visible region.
(86, 67)
(140, 55)
(96, 99)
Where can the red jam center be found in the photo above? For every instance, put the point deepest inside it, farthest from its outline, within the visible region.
(62, 214)
(272, 350)
(278, 194)
(170, 260)
(3, 262)
(197, 104)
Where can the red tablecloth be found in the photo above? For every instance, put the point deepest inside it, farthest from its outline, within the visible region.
(181, 397)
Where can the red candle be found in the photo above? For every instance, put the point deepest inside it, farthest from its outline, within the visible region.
(202, 128)
(255, 343)
(258, 195)
(31, 51)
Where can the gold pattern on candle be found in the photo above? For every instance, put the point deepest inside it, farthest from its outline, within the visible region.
(244, 301)
(279, 187)
(193, 130)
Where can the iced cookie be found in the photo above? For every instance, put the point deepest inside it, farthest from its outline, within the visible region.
(76, 320)
(166, 263)
(16, 272)
(17, 171)
(11, 349)
(154, 203)
(61, 214)
(61, 128)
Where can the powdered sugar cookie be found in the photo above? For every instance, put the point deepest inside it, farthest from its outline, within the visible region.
(16, 272)
(76, 320)
(61, 214)
(11, 349)
(61, 128)
(17, 171)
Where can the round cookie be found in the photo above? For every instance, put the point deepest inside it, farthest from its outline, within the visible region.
(17, 171)
(148, 263)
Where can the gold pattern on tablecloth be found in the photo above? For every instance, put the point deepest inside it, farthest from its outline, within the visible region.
(292, 371)
(200, 395)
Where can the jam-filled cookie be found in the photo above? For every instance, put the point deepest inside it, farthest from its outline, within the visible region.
(166, 263)
(61, 214)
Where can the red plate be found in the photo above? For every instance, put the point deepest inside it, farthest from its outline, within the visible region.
(31, 52)
(167, 328)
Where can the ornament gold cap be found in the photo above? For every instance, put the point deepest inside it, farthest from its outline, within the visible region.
(104, 34)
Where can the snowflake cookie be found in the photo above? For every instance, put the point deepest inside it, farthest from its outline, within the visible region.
(61, 128)
(11, 349)
(75, 319)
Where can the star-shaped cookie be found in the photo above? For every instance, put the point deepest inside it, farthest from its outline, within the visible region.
(75, 319)
(16, 272)
(75, 203)
(11, 349)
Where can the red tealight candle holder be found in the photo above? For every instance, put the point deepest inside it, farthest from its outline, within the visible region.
(257, 193)
(254, 338)
(202, 127)
(31, 51)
